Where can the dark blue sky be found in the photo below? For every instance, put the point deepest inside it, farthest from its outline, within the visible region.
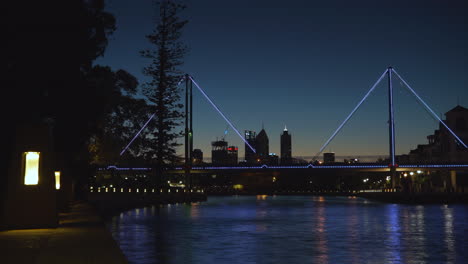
(306, 64)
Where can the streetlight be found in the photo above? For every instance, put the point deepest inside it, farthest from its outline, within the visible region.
(57, 180)
(31, 168)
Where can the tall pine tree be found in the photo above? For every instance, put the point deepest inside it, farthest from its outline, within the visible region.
(162, 92)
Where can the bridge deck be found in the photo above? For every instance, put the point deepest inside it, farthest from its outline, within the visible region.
(357, 167)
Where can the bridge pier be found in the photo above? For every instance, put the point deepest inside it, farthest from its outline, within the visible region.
(395, 178)
(453, 180)
(449, 181)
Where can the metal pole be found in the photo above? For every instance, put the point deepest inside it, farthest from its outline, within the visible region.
(391, 128)
(191, 123)
(186, 119)
(187, 80)
(191, 134)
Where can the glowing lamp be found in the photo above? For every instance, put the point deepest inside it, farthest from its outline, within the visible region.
(31, 168)
(57, 180)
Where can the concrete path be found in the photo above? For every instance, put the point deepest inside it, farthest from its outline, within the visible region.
(80, 238)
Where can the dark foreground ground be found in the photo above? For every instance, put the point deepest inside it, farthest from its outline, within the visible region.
(80, 238)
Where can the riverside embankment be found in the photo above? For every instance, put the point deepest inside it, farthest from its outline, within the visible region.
(81, 237)
(110, 203)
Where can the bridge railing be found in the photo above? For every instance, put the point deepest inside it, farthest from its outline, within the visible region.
(93, 189)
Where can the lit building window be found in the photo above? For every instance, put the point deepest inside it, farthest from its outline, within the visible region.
(57, 180)
(31, 169)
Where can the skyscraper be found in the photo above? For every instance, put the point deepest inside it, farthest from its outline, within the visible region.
(250, 138)
(232, 155)
(219, 154)
(262, 146)
(286, 156)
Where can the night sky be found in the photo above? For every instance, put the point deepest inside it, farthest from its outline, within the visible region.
(306, 64)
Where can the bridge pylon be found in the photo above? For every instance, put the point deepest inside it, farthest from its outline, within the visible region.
(391, 130)
(188, 130)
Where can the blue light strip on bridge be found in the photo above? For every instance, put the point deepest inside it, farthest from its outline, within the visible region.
(221, 113)
(430, 110)
(122, 169)
(309, 166)
(352, 113)
(435, 166)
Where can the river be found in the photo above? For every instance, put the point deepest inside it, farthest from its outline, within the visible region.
(293, 229)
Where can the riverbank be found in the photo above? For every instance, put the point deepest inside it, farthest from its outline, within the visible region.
(386, 197)
(109, 204)
(416, 198)
(274, 192)
(81, 237)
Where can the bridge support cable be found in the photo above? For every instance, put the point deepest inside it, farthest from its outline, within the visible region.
(221, 113)
(351, 114)
(137, 134)
(147, 122)
(430, 110)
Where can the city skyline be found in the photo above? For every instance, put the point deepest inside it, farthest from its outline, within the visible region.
(295, 65)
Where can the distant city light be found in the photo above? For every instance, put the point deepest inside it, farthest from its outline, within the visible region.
(238, 186)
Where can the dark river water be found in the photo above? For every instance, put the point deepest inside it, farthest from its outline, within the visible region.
(293, 229)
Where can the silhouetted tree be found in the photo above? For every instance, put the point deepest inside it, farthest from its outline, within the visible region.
(162, 91)
(121, 113)
(43, 82)
(96, 26)
(50, 77)
(77, 105)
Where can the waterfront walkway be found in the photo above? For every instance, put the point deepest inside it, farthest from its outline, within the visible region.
(81, 237)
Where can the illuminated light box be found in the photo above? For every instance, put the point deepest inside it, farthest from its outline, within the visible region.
(31, 169)
(57, 180)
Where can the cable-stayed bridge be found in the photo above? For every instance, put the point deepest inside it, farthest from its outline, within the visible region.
(391, 166)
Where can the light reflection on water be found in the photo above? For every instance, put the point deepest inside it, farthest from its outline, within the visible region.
(293, 229)
(449, 241)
